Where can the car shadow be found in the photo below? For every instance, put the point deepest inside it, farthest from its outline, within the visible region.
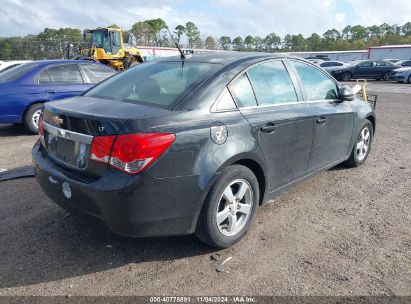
(339, 167)
(14, 130)
(42, 243)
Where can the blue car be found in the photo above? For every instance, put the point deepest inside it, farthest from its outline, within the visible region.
(402, 74)
(25, 88)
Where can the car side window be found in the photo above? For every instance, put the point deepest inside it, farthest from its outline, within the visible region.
(96, 73)
(225, 102)
(406, 63)
(44, 77)
(380, 64)
(366, 64)
(318, 86)
(272, 84)
(242, 92)
(65, 74)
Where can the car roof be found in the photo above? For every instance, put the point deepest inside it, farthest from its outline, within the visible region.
(60, 61)
(225, 58)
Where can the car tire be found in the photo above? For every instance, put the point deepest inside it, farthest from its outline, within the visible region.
(236, 190)
(409, 79)
(346, 76)
(386, 76)
(31, 117)
(362, 145)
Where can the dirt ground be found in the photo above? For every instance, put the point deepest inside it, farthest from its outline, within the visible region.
(343, 232)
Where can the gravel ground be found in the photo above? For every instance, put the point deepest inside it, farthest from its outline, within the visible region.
(343, 232)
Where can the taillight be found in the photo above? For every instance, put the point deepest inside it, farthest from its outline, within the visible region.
(101, 147)
(40, 126)
(131, 153)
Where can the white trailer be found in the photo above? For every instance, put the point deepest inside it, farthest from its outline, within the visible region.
(335, 55)
(402, 52)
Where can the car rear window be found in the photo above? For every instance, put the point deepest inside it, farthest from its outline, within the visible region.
(16, 72)
(157, 83)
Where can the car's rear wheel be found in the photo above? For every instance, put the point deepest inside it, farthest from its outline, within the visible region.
(346, 76)
(386, 76)
(31, 118)
(362, 146)
(230, 207)
(409, 79)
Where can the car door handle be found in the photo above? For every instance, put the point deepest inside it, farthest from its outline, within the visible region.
(269, 128)
(321, 120)
(51, 91)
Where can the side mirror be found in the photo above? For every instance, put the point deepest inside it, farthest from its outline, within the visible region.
(345, 93)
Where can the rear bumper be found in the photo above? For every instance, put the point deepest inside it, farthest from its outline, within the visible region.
(127, 205)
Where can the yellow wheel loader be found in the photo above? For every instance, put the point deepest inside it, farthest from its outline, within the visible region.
(107, 47)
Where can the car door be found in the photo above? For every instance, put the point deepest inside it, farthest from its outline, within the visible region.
(61, 81)
(365, 69)
(279, 119)
(333, 123)
(95, 73)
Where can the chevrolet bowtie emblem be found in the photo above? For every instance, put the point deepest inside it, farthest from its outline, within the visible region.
(57, 120)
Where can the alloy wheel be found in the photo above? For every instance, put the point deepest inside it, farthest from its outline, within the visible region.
(234, 207)
(363, 144)
(35, 118)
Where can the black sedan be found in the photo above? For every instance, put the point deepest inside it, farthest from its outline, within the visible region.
(196, 145)
(365, 70)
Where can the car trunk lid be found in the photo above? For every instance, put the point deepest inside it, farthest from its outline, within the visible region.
(70, 126)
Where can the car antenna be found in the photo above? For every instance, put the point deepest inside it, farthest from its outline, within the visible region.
(175, 42)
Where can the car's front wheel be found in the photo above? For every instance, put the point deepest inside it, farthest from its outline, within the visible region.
(409, 79)
(31, 118)
(386, 76)
(362, 146)
(346, 76)
(230, 207)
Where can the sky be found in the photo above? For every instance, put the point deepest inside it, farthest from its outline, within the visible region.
(213, 17)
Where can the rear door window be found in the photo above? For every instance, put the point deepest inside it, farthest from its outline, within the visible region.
(44, 77)
(317, 85)
(243, 92)
(65, 74)
(95, 72)
(272, 84)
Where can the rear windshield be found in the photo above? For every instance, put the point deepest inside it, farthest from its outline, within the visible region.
(16, 72)
(156, 83)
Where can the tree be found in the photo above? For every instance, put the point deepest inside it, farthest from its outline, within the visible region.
(258, 44)
(249, 42)
(406, 29)
(374, 31)
(298, 43)
(193, 34)
(141, 30)
(179, 31)
(287, 42)
(314, 42)
(272, 42)
(332, 35)
(386, 29)
(209, 43)
(225, 42)
(346, 33)
(155, 26)
(359, 32)
(238, 43)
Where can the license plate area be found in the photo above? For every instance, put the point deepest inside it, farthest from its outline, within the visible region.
(66, 147)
